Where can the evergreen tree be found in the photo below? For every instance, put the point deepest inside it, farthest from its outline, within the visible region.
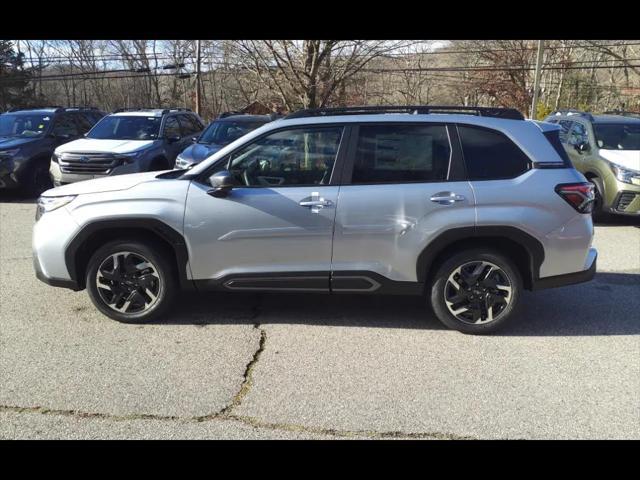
(14, 79)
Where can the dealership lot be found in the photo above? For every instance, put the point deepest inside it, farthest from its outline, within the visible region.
(297, 366)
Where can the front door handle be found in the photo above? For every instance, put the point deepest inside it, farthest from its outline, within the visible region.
(447, 198)
(316, 202)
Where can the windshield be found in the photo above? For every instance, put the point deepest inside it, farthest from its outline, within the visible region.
(617, 136)
(23, 125)
(121, 127)
(224, 132)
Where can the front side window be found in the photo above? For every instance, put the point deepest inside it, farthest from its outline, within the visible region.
(401, 154)
(223, 132)
(490, 155)
(300, 157)
(578, 134)
(617, 136)
(23, 125)
(124, 127)
(172, 128)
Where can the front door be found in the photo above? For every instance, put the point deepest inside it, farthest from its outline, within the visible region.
(402, 193)
(274, 229)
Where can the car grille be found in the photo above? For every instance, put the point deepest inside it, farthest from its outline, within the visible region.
(625, 200)
(88, 163)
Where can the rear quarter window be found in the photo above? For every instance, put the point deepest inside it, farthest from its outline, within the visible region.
(491, 155)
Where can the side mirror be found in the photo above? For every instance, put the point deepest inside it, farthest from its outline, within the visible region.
(222, 183)
(173, 139)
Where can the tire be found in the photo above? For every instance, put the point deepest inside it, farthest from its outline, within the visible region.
(155, 284)
(503, 274)
(598, 214)
(37, 178)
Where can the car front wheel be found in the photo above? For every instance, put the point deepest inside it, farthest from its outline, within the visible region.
(476, 291)
(130, 282)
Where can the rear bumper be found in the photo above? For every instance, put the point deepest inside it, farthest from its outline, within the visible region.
(569, 278)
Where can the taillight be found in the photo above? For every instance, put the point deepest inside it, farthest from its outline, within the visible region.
(579, 195)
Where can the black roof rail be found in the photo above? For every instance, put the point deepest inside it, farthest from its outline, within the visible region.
(509, 113)
(232, 112)
(572, 111)
(624, 113)
(41, 107)
(81, 108)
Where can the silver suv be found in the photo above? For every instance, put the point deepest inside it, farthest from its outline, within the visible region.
(466, 210)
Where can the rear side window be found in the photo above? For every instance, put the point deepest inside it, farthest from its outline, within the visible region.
(401, 154)
(490, 155)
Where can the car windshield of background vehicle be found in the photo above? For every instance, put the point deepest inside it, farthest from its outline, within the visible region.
(126, 128)
(617, 136)
(222, 133)
(23, 125)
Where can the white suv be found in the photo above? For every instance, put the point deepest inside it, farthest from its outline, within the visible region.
(466, 210)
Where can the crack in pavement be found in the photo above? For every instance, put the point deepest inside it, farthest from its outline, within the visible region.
(225, 414)
(245, 420)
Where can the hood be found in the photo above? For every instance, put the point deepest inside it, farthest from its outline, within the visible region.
(99, 185)
(108, 146)
(624, 158)
(199, 151)
(7, 143)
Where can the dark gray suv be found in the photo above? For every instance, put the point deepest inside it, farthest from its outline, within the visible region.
(28, 137)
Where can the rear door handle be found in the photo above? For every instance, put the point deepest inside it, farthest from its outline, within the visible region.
(447, 198)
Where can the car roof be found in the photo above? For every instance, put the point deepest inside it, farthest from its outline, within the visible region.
(615, 119)
(27, 111)
(245, 118)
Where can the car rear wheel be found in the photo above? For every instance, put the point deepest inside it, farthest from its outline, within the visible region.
(476, 291)
(130, 282)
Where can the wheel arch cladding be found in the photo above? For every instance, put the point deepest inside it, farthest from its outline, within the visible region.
(95, 234)
(525, 251)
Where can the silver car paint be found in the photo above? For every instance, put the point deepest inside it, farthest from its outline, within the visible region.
(381, 228)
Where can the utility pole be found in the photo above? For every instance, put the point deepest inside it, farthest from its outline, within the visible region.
(198, 86)
(536, 83)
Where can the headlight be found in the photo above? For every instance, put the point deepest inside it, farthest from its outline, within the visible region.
(625, 175)
(48, 204)
(182, 162)
(8, 153)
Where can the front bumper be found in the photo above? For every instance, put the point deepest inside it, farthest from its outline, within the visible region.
(51, 235)
(621, 198)
(570, 278)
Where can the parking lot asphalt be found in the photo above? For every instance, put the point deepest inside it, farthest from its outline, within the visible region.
(301, 366)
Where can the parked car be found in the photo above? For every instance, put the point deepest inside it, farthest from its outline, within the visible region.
(222, 131)
(127, 141)
(29, 136)
(606, 149)
(465, 210)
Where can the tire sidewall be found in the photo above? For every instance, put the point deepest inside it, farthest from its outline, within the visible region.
(440, 280)
(167, 281)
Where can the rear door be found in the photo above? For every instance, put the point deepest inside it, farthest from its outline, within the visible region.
(403, 185)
